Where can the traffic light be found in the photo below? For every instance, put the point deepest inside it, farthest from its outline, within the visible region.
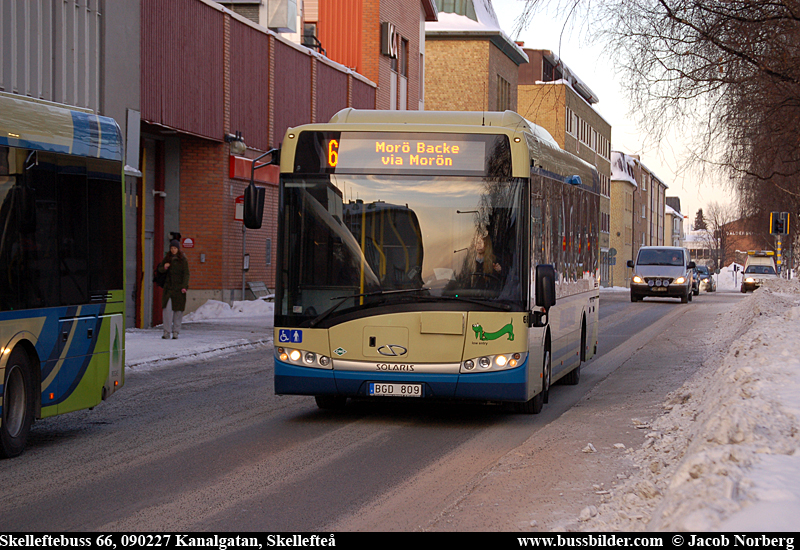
(779, 223)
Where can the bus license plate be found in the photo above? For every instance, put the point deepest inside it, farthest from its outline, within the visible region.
(395, 390)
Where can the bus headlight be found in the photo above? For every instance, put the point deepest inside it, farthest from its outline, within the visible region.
(303, 358)
(502, 361)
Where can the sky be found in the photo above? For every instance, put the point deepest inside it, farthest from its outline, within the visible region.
(724, 456)
(594, 67)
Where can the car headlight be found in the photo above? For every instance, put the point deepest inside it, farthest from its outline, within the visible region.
(680, 280)
(637, 279)
(705, 280)
(750, 280)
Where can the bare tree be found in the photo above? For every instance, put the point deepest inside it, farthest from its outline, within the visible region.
(716, 238)
(725, 71)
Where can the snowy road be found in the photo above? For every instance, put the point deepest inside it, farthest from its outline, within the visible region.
(206, 446)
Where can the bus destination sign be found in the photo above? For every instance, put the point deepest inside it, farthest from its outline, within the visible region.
(424, 154)
(401, 153)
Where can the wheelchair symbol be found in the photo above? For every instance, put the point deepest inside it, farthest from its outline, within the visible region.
(294, 336)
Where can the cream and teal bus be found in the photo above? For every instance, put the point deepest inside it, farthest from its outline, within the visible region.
(61, 263)
(433, 255)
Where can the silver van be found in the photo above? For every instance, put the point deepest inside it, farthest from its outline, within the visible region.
(662, 271)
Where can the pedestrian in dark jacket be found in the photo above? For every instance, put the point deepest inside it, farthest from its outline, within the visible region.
(173, 299)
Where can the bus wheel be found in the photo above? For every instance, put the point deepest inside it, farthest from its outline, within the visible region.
(583, 340)
(18, 405)
(330, 402)
(534, 405)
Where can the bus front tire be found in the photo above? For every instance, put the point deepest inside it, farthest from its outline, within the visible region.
(330, 402)
(18, 405)
(535, 404)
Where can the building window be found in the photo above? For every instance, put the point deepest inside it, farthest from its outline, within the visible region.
(503, 94)
(404, 57)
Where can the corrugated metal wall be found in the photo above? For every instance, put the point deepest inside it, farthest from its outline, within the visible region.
(51, 50)
(339, 30)
(292, 89)
(182, 66)
(331, 92)
(250, 85)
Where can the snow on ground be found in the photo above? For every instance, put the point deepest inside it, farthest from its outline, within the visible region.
(725, 455)
(216, 328)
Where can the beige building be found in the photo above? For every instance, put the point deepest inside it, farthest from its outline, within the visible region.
(673, 227)
(624, 173)
(470, 63)
(640, 215)
(652, 193)
(553, 97)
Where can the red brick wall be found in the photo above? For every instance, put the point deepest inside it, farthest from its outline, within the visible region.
(262, 86)
(203, 215)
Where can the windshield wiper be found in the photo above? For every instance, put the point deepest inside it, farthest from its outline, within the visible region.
(342, 299)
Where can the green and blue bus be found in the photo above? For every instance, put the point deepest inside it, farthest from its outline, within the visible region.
(433, 255)
(62, 306)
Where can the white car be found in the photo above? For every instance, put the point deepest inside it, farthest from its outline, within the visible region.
(759, 267)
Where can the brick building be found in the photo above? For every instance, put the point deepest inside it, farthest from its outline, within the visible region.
(673, 222)
(384, 40)
(625, 173)
(471, 65)
(638, 212)
(551, 95)
(181, 78)
(254, 83)
(673, 226)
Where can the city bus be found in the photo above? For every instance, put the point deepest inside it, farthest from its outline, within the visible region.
(61, 263)
(433, 256)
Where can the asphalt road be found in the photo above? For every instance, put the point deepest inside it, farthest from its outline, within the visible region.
(208, 447)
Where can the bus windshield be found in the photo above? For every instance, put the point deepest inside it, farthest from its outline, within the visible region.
(352, 243)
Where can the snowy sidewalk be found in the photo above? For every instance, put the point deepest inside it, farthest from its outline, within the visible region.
(214, 329)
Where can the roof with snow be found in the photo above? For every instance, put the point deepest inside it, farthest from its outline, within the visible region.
(622, 168)
(669, 210)
(478, 20)
(568, 76)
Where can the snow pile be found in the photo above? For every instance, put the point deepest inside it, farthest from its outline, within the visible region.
(214, 309)
(728, 279)
(725, 456)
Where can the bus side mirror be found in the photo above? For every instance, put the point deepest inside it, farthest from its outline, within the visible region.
(253, 206)
(545, 286)
(630, 264)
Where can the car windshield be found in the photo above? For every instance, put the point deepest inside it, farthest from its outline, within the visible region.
(660, 256)
(702, 270)
(399, 240)
(760, 270)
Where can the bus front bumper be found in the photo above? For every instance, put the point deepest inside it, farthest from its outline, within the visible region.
(505, 385)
